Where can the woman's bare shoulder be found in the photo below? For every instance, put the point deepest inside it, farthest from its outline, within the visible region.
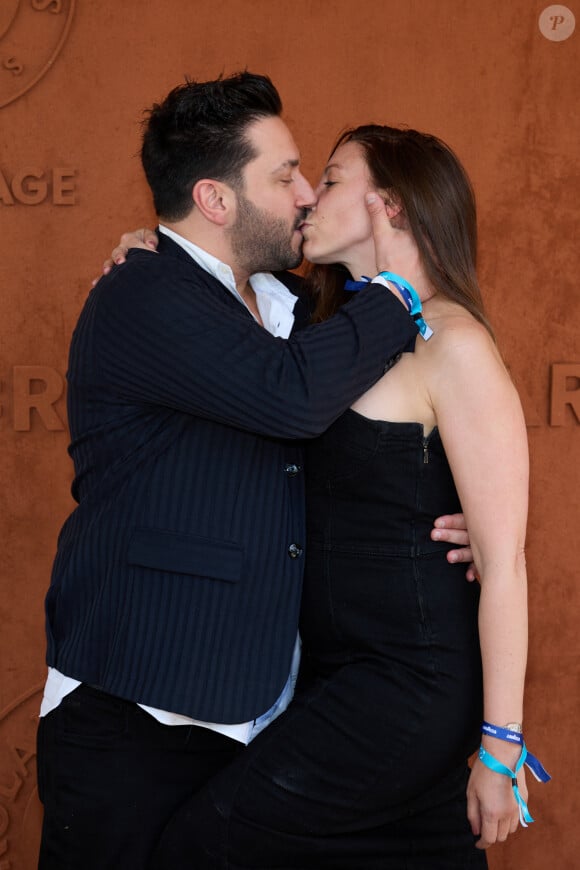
(456, 332)
(461, 355)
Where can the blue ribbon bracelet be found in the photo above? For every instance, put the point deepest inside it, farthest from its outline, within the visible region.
(407, 291)
(498, 767)
(531, 762)
(502, 733)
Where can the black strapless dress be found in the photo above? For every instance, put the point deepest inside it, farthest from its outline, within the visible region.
(367, 769)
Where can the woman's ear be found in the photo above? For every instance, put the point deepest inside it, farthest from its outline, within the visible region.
(395, 211)
(392, 205)
(215, 200)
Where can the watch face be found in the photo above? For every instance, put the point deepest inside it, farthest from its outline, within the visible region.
(514, 726)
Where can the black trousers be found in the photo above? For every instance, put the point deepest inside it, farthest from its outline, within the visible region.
(110, 777)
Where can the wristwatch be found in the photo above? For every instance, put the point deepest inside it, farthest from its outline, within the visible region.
(514, 726)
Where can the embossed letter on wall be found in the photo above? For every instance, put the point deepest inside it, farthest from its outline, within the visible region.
(32, 33)
(35, 393)
(564, 392)
(33, 185)
(20, 810)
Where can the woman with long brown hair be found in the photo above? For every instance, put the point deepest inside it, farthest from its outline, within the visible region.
(402, 661)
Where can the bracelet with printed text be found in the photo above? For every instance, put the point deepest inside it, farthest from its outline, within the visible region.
(411, 299)
(532, 763)
(502, 733)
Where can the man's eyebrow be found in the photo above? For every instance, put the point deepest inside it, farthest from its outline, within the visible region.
(288, 164)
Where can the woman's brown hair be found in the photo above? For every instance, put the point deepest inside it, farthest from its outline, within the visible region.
(422, 175)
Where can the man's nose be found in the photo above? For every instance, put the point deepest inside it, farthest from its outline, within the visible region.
(305, 196)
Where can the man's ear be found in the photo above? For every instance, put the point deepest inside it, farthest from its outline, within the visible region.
(215, 200)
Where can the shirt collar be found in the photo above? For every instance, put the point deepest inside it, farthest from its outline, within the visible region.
(275, 302)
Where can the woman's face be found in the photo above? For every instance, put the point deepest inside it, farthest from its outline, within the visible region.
(338, 230)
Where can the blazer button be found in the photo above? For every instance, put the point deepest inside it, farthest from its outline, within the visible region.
(294, 550)
(291, 469)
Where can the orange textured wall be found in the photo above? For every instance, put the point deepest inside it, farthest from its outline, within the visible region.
(74, 78)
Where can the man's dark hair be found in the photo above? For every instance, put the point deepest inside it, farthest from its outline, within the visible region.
(199, 131)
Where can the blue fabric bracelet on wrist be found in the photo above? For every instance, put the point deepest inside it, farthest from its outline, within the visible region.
(412, 301)
(502, 733)
(497, 766)
(531, 762)
(407, 291)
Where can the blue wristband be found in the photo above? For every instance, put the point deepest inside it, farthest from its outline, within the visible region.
(412, 301)
(532, 763)
(502, 733)
(407, 291)
(495, 765)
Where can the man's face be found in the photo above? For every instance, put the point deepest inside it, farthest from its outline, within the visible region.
(272, 203)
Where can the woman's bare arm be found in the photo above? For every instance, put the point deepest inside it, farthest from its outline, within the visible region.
(482, 427)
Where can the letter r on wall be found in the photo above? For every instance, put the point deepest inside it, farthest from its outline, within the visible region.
(564, 390)
(27, 395)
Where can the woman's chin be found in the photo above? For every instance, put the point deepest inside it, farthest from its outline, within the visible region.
(313, 253)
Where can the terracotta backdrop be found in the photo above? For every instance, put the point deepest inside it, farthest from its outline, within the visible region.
(74, 79)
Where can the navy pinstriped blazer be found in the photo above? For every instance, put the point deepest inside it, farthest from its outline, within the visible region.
(177, 578)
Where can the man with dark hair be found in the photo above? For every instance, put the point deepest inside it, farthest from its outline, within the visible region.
(173, 607)
(199, 132)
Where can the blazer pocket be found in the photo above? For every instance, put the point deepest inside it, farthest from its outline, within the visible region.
(185, 554)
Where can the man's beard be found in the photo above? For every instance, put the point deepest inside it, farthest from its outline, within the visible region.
(260, 242)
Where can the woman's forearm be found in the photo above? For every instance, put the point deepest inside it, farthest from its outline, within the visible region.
(503, 629)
